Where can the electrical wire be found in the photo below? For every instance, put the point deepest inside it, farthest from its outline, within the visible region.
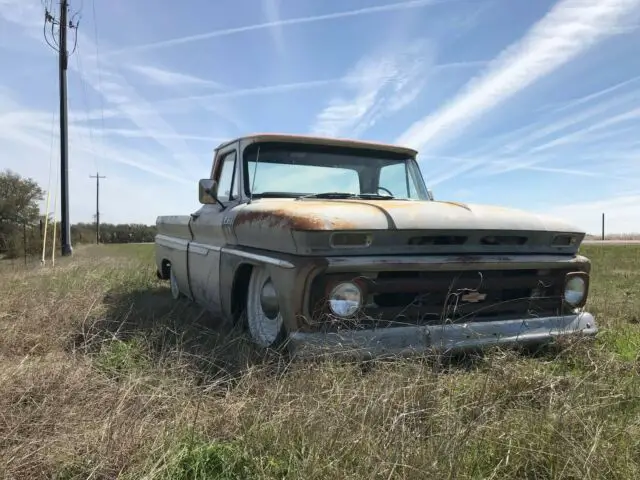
(85, 98)
(95, 34)
(46, 214)
(55, 211)
(75, 35)
(48, 18)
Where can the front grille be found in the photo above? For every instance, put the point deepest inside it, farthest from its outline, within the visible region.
(431, 298)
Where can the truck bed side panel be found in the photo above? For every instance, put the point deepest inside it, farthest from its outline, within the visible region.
(171, 245)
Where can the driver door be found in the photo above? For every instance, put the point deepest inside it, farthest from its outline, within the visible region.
(208, 234)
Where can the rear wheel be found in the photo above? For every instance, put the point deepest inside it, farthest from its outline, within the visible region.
(264, 318)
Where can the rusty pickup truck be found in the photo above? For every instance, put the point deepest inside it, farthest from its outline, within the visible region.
(320, 245)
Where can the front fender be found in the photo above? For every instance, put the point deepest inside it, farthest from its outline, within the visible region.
(290, 275)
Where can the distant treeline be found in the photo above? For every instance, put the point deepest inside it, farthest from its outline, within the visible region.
(29, 238)
(110, 233)
(22, 225)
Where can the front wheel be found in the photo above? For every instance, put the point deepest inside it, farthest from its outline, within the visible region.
(264, 318)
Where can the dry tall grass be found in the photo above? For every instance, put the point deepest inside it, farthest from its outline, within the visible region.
(103, 376)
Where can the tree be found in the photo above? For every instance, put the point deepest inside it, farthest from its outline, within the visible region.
(19, 199)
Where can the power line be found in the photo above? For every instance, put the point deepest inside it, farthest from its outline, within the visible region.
(97, 43)
(97, 177)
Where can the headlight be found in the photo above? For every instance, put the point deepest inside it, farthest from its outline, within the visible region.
(575, 288)
(345, 299)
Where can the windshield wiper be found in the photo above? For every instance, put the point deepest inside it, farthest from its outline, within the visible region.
(375, 196)
(329, 195)
(344, 195)
(274, 195)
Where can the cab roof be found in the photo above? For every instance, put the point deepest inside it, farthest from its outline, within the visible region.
(319, 140)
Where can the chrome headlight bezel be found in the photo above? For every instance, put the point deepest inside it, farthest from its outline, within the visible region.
(345, 307)
(576, 289)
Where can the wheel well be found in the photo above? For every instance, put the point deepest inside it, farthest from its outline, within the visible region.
(165, 269)
(240, 289)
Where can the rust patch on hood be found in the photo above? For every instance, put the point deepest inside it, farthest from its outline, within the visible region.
(292, 219)
(361, 214)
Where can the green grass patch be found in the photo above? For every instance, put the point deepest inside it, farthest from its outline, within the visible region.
(123, 357)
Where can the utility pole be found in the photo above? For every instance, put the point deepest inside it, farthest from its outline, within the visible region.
(63, 23)
(64, 139)
(97, 177)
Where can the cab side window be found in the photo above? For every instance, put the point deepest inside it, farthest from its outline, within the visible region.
(228, 178)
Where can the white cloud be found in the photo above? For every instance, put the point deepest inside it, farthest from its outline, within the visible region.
(168, 78)
(126, 99)
(379, 84)
(271, 10)
(541, 142)
(264, 90)
(354, 77)
(28, 150)
(35, 135)
(568, 30)
(622, 214)
(629, 115)
(278, 23)
(115, 89)
(592, 96)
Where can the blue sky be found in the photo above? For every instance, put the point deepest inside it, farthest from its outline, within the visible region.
(528, 104)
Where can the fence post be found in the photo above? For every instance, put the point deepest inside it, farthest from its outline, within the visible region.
(603, 226)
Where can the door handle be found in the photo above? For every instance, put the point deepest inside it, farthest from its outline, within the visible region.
(194, 216)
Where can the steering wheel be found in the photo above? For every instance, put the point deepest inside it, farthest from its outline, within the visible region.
(386, 190)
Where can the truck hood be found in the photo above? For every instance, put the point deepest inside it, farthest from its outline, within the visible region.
(332, 215)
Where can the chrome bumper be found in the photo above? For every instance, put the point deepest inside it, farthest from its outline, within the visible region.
(412, 340)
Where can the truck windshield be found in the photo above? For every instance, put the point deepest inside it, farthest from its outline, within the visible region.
(292, 170)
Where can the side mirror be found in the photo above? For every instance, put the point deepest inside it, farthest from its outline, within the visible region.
(207, 191)
(430, 194)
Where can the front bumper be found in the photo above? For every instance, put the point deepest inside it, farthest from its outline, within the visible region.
(412, 340)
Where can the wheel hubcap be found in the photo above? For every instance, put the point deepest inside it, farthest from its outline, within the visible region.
(269, 300)
(174, 286)
(264, 317)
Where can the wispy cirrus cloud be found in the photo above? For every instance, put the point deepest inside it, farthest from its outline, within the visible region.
(592, 96)
(544, 130)
(35, 135)
(627, 116)
(271, 11)
(591, 139)
(356, 76)
(167, 78)
(390, 7)
(570, 28)
(622, 213)
(118, 93)
(379, 84)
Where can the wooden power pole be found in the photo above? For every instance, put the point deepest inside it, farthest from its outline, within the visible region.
(97, 177)
(65, 224)
(60, 45)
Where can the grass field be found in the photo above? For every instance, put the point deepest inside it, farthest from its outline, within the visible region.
(103, 376)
